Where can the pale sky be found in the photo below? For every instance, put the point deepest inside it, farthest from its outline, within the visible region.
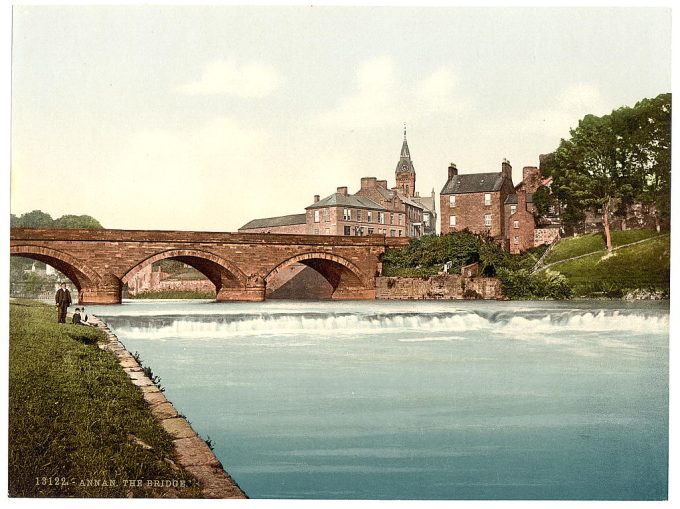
(202, 118)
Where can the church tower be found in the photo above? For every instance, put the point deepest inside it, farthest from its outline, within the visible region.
(405, 174)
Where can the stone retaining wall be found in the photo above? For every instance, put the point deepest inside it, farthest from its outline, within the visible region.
(437, 287)
(193, 454)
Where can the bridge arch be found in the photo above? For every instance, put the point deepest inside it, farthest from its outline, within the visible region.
(221, 272)
(82, 276)
(342, 275)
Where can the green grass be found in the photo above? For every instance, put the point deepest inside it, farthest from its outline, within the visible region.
(174, 294)
(645, 266)
(75, 415)
(584, 244)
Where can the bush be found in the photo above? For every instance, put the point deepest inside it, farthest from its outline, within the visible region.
(522, 284)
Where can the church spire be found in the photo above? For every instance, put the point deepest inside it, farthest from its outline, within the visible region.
(405, 173)
(405, 164)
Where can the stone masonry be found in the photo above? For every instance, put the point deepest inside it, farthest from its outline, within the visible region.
(453, 287)
(100, 262)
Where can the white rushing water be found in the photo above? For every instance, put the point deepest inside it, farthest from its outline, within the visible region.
(405, 400)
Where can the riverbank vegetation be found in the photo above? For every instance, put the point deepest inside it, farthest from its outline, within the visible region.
(75, 419)
(644, 266)
(640, 261)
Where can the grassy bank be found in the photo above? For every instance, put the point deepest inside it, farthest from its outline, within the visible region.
(76, 419)
(594, 242)
(641, 266)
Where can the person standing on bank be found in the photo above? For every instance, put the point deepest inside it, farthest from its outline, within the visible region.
(63, 300)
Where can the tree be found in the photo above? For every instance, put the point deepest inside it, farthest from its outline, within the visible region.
(590, 169)
(34, 219)
(650, 141)
(542, 200)
(71, 221)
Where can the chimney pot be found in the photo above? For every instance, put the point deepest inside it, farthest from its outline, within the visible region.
(316, 198)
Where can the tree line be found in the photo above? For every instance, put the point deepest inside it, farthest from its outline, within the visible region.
(614, 161)
(40, 219)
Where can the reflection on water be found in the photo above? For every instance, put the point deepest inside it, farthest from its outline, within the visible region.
(429, 400)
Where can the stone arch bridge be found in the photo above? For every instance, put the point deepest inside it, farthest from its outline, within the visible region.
(100, 262)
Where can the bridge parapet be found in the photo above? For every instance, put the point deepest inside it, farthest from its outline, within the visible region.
(100, 262)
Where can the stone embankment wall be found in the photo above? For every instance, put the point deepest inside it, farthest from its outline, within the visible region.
(193, 454)
(437, 287)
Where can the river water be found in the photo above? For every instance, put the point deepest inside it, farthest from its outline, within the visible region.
(418, 400)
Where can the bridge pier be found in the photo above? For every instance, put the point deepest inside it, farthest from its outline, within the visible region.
(354, 294)
(99, 296)
(252, 293)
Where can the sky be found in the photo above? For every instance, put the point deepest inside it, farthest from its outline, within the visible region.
(203, 118)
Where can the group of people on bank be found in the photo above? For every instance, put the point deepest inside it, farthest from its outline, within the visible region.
(63, 300)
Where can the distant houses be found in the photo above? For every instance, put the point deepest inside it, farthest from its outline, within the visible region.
(375, 209)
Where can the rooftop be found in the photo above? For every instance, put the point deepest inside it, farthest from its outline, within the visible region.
(474, 183)
(269, 222)
(346, 200)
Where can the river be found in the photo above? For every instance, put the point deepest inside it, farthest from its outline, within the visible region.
(418, 400)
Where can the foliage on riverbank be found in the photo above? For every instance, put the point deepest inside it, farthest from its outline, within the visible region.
(644, 266)
(75, 416)
(173, 294)
(426, 256)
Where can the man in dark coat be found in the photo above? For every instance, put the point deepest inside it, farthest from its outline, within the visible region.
(63, 299)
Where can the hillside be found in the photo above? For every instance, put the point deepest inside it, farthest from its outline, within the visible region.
(641, 260)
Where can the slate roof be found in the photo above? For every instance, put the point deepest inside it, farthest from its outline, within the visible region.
(350, 200)
(410, 202)
(512, 199)
(426, 201)
(474, 183)
(269, 222)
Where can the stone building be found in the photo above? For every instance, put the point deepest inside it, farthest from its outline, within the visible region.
(344, 214)
(475, 202)
(373, 209)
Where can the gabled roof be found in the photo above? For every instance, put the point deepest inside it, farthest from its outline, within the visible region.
(426, 201)
(346, 200)
(512, 199)
(410, 201)
(474, 183)
(269, 222)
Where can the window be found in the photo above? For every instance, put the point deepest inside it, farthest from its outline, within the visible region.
(316, 216)
(452, 220)
(487, 198)
(515, 224)
(513, 209)
(452, 200)
(346, 231)
(516, 239)
(487, 219)
(370, 230)
(368, 216)
(347, 214)
(381, 217)
(392, 220)
(400, 233)
(326, 215)
(392, 233)
(358, 215)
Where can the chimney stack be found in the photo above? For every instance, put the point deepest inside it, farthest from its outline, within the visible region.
(368, 182)
(452, 170)
(316, 198)
(522, 200)
(382, 183)
(506, 169)
(342, 190)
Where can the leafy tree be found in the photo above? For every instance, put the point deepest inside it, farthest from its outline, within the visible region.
(71, 221)
(650, 141)
(34, 219)
(591, 170)
(542, 200)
